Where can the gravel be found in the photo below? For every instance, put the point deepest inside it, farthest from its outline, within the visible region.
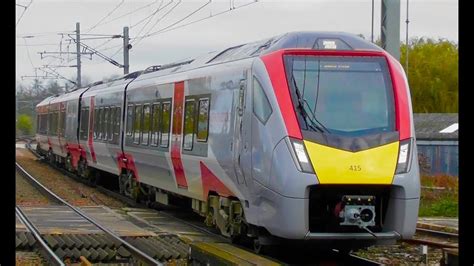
(28, 258)
(65, 187)
(400, 254)
(27, 195)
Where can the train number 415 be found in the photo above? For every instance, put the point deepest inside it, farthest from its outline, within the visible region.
(355, 167)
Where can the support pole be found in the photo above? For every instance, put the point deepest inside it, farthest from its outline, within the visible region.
(391, 27)
(372, 32)
(78, 51)
(126, 48)
(407, 44)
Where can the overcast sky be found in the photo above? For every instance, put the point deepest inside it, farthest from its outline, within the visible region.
(39, 27)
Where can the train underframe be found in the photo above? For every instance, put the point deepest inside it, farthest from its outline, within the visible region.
(227, 215)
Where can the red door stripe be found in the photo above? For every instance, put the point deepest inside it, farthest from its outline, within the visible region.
(91, 130)
(176, 138)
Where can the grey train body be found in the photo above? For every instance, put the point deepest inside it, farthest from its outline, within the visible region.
(245, 146)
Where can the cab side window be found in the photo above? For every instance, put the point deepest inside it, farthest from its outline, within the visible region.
(261, 106)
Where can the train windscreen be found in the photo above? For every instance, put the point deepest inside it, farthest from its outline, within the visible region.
(349, 96)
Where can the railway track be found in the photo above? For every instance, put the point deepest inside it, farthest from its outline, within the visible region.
(435, 239)
(137, 253)
(45, 250)
(332, 257)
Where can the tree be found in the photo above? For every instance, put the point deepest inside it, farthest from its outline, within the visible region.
(24, 125)
(54, 88)
(432, 75)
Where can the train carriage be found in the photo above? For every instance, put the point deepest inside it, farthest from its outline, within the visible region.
(306, 137)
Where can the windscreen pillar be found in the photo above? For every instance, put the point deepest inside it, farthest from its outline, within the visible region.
(390, 36)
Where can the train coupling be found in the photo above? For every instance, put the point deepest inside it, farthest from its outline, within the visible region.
(356, 210)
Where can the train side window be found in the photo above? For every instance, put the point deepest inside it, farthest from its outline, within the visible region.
(50, 123)
(110, 134)
(145, 124)
(84, 123)
(189, 124)
(38, 124)
(165, 124)
(136, 123)
(44, 127)
(118, 115)
(130, 120)
(54, 126)
(49, 119)
(155, 127)
(203, 120)
(43, 124)
(101, 123)
(105, 127)
(261, 106)
(95, 125)
(62, 122)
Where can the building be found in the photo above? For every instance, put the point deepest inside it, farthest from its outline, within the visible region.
(437, 142)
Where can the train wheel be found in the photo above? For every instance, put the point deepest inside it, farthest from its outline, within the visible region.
(51, 158)
(68, 163)
(263, 249)
(83, 169)
(125, 183)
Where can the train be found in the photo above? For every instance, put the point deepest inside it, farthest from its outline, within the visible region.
(305, 138)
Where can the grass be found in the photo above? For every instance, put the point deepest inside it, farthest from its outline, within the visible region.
(435, 202)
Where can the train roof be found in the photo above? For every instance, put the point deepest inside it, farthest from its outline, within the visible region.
(46, 101)
(319, 40)
(68, 96)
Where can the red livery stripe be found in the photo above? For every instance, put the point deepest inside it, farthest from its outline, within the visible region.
(75, 152)
(176, 138)
(91, 130)
(401, 98)
(210, 182)
(276, 70)
(125, 161)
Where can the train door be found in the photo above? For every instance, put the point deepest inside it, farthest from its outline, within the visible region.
(242, 138)
(262, 146)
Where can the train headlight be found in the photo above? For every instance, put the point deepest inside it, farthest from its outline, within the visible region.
(403, 156)
(300, 156)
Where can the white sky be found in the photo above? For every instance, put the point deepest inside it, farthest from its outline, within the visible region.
(265, 18)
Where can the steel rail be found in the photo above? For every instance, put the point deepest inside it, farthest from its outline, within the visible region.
(437, 233)
(36, 234)
(136, 252)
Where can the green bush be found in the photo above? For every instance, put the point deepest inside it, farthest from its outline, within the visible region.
(24, 125)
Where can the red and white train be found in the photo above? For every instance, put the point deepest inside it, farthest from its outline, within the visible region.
(306, 137)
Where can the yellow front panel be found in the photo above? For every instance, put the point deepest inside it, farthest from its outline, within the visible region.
(335, 166)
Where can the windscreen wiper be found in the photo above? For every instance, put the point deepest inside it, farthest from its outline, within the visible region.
(301, 106)
(313, 118)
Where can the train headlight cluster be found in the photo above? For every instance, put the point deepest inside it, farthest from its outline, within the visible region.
(403, 156)
(300, 156)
